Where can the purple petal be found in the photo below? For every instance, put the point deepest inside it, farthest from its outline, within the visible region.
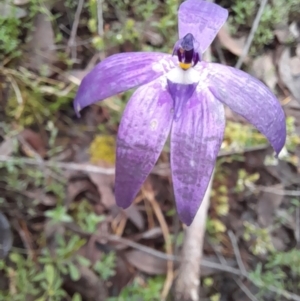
(180, 94)
(202, 19)
(121, 72)
(251, 99)
(144, 128)
(195, 142)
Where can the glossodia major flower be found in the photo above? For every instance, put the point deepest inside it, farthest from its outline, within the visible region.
(183, 96)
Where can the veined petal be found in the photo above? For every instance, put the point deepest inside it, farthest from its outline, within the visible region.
(250, 98)
(144, 128)
(181, 86)
(202, 19)
(180, 94)
(196, 138)
(121, 72)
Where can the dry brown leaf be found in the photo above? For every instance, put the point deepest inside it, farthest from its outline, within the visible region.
(283, 34)
(149, 32)
(41, 197)
(104, 184)
(295, 66)
(35, 141)
(123, 275)
(77, 187)
(135, 216)
(7, 147)
(291, 81)
(264, 69)
(280, 239)
(267, 205)
(234, 45)
(146, 263)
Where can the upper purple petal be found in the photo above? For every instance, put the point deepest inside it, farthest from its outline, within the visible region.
(250, 98)
(144, 128)
(195, 142)
(121, 72)
(202, 19)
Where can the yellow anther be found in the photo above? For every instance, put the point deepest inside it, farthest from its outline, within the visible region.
(185, 66)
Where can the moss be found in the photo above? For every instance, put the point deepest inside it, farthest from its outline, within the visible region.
(103, 149)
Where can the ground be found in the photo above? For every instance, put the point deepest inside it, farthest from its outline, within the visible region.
(62, 236)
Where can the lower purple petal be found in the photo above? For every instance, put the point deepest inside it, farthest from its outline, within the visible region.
(250, 98)
(143, 130)
(195, 142)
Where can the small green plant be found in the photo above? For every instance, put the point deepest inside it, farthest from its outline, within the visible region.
(239, 136)
(265, 279)
(13, 23)
(28, 279)
(290, 259)
(59, 215)
(260, 238)
(142, 290)
(244, 12)
(43, 280)
(293, 139)
(9, 36)
(105, 266)
(281, 271)
(215, 227)
(245, 180)
(220, 200)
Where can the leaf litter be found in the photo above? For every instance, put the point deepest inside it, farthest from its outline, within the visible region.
(261, 213)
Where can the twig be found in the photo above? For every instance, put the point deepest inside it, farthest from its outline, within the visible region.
(61, 165)
(86, 167)
(100, 17)
(237, 252)
(273, 190)
(281, 292)
(71, 42)
(245, 289)
(251, 34)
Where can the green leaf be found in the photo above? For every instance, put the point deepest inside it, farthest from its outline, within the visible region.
(83, 261)
(14, 257)
(50, 273)
(74, 272)
(38, 277)
(76, 297)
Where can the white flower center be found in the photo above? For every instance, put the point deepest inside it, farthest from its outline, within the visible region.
(179, 76)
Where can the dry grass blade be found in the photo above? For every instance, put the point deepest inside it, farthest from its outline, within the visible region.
(252, 33)
(165, 230)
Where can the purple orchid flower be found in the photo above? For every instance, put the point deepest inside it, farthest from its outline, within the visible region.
(182, 95)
